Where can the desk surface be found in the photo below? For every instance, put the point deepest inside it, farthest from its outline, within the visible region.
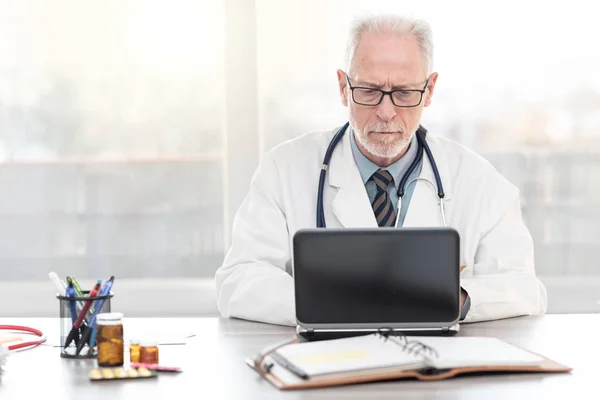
(213, 363)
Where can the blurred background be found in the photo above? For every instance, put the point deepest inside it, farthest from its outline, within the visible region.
(129, 131)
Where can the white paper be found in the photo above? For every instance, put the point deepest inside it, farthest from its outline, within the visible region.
(348, 354)
(371, 352)
(457, 352)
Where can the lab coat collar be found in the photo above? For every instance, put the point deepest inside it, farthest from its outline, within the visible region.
(351, 203)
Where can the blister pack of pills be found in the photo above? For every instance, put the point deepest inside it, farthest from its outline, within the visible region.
(118, 373)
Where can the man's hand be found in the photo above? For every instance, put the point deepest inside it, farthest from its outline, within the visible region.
(463, 297)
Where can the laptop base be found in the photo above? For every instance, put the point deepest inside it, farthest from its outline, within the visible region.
(313, 336)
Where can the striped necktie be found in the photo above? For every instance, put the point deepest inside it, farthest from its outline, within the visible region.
(382, 204)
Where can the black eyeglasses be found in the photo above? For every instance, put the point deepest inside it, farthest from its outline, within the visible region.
(400, 98)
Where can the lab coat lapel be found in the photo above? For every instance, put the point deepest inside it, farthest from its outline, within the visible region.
(424, 207)
(350, 204)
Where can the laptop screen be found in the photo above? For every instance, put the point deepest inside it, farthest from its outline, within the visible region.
(376, 276)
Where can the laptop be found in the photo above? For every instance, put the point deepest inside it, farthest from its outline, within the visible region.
(356, 281)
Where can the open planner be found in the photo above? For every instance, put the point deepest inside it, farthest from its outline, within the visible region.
(376, 357)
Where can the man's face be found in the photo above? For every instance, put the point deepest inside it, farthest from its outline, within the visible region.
(387, 62)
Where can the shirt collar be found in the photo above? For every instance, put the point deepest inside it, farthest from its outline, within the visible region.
(367, 168)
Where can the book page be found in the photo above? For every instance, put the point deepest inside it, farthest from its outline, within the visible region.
(349, 354)
(457, 352)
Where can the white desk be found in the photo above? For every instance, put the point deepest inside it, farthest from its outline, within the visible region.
(214, 368)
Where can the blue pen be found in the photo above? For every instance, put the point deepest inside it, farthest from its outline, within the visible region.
(70, 292)
(92, 339)
(105, 290)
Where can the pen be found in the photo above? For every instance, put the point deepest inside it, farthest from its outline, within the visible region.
(289, 366)
(58, 283)
(78, 290)
(87, 305)
(77, 324)
(61, 288)
(70, 292)
(79, 293)
(92, 340)
(97, 307)
(105, 290)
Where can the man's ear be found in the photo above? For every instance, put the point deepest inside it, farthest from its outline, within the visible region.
(430, 88)
(343, 84)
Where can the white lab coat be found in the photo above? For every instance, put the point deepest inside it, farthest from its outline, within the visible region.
(255, 281)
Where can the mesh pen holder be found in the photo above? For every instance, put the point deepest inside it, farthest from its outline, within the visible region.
(80, 342)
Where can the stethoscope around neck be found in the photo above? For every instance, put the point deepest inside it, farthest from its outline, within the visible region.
(422, 146)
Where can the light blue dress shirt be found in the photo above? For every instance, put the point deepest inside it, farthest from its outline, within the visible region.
(367, 168)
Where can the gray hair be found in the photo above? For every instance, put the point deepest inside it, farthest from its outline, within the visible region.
(394, 24)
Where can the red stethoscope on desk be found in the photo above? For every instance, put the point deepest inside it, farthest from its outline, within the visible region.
(41, 338)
